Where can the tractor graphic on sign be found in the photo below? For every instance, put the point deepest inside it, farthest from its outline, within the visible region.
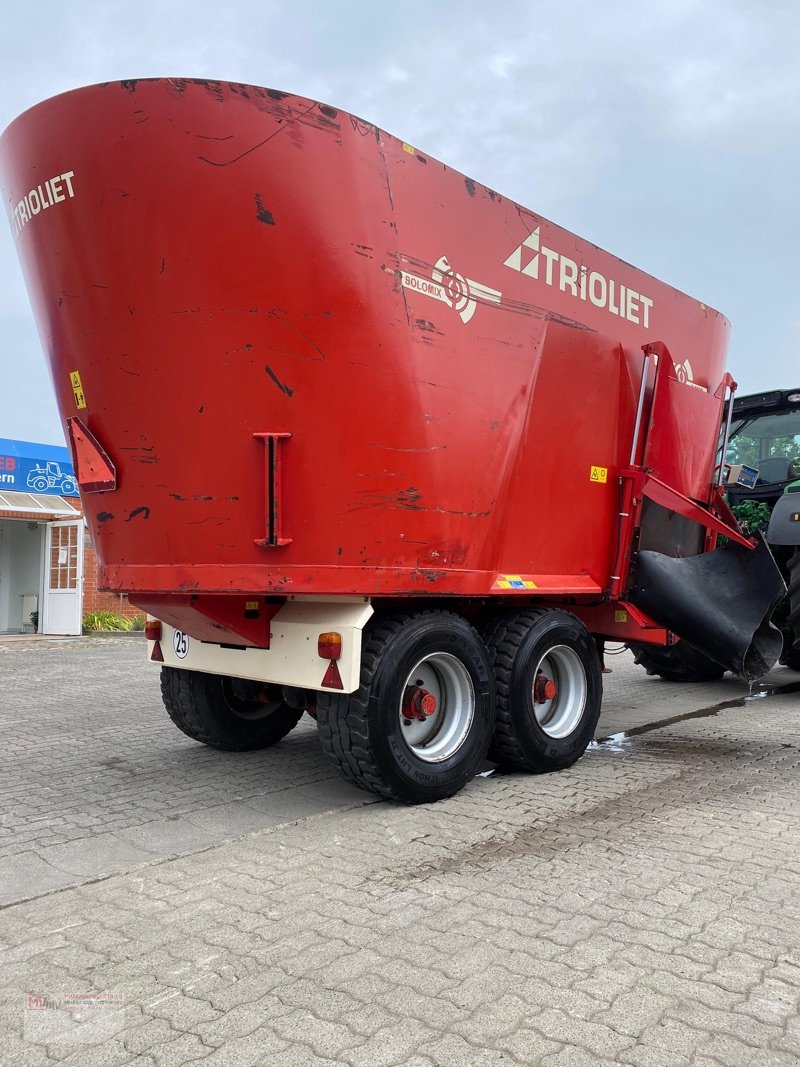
(51, 476)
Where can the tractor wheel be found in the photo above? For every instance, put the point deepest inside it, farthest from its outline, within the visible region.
(39, 485)
(549, 689)
(791, 637)
(228, 713)
(676, 663)
(419, 725)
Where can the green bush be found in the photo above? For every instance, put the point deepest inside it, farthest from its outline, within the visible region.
(754, 514)
(138, 621)
(106, 620)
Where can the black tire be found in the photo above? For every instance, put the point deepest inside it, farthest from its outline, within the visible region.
(228, 713)
(676, 663)
(791, 636)
(413, 760)
(535, 732)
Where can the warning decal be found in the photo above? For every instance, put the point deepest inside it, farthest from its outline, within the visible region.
(77, 389)
(599, 474)
(513, 581)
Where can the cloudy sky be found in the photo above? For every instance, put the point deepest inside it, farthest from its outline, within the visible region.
(667, 132)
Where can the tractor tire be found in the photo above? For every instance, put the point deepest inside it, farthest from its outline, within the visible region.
(676, 663)
(791, 636)
(418, 727)
(549, 689)
(39, 485)
(227, 713)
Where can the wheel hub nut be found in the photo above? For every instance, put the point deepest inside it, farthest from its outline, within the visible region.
(418, 703)
(544, 689)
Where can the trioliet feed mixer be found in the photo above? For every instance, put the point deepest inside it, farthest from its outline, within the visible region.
(364, 437)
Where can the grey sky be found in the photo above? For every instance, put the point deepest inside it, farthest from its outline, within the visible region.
(668, 133)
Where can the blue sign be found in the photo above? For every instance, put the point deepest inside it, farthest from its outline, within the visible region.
(26, 467)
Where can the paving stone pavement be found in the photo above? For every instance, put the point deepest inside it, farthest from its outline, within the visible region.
(640, 908)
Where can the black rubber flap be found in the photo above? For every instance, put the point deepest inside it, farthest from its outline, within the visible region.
(719, 602)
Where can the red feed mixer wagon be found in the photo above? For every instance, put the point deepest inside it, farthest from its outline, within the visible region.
(367, 439)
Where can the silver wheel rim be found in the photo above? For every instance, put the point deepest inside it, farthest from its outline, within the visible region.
(437, 736)
(559, 715)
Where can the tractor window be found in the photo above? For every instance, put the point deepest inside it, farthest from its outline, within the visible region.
(770, 442)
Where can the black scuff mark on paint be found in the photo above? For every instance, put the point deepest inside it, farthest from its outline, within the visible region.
(163, 265)
(276, 94)
(427, 575)
(427, 325)
(283, 387)
(470, 185)
(130, 86)
(360, 126)
(79, 296)
(328, 111)
(421, 159)
(201, 409)
(408, 498)
(122, 193)
(105, 516)
(212, 87)
(281, 316)
(262, 214)
(364, 250)
(396, 448)
(211, 137)
(260, 144)
(572, 323)
(144, 511)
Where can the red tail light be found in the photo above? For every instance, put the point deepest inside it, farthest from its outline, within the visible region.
(329, 645)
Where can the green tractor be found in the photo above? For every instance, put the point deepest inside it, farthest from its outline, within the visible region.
(763, 491)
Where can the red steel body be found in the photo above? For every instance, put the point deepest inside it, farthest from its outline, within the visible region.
(311, 359)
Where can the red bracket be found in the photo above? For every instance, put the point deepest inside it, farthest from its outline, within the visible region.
(273, 484)
(93, 469)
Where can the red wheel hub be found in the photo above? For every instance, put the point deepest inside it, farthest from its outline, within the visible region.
(544, 689)
(418, 703)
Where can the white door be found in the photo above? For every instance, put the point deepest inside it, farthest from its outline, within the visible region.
(63, 578)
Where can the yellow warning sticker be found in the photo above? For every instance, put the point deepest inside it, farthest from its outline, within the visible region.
(513, 581)
(599, 474)
(251, 605)
(620, 616)
(77, 389)
(409, 148)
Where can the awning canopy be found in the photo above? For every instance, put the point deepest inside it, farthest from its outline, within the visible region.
(46, 507)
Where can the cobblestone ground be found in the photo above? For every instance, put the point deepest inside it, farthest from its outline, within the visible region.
(640, 908)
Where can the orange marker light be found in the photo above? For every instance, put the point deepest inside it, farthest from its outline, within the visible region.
(329, 645)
